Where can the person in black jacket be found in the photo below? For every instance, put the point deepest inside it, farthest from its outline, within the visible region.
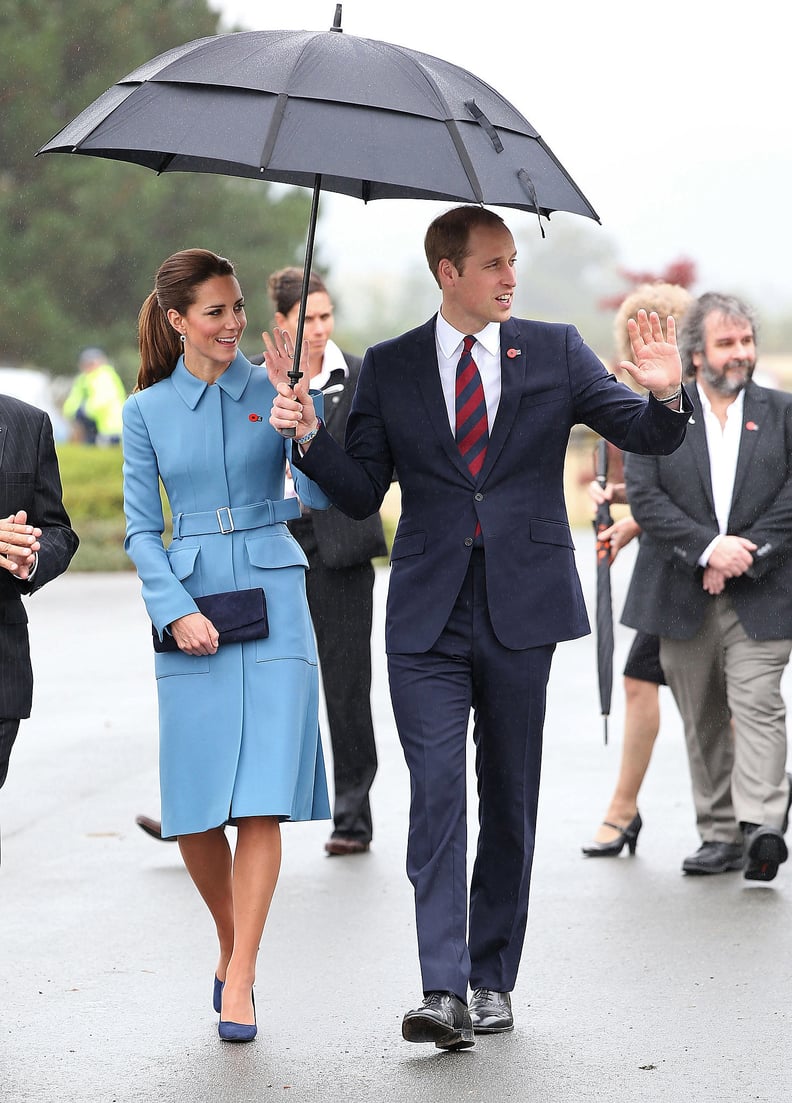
(340, 582)
(36, 545)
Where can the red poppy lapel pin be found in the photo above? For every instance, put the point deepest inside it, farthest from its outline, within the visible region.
(751, 426)
(255, 417)
(511, 353)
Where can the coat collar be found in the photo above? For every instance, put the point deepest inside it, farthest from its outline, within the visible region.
(233, 381)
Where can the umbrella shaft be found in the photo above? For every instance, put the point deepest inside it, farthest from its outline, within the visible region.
(295, 375)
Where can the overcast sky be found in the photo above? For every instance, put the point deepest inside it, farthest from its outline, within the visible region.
(673, 118)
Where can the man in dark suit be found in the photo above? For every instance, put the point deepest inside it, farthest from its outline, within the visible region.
(713, 579)
(340, 586)
(483, 581)
(36, 544)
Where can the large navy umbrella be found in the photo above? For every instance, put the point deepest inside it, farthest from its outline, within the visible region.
(329, 111)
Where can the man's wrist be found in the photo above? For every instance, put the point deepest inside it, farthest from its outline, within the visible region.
(669, 397)
(309, 436)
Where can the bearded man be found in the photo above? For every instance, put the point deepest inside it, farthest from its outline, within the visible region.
(713, 579)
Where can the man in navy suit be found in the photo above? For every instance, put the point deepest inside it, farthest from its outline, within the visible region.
(483, 580)
(36, 544)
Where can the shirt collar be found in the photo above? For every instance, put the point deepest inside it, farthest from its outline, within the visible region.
(450, 339)
(734, 409)
(333, 361)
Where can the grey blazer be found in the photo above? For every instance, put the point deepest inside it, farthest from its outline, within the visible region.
(671, 499)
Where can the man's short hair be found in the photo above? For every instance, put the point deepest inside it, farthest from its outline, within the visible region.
(448, 236)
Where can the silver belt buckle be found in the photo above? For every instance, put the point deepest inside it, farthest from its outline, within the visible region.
(230, 517)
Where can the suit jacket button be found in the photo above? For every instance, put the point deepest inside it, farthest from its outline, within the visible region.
(468, 541)
(478, 497)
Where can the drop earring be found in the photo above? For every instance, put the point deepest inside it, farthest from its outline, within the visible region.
(181, 338)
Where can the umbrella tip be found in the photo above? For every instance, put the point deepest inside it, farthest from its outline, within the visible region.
(337, 20)
(605, 729)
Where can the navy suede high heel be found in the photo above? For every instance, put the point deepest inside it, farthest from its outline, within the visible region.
(238, 1032)
(217, 995)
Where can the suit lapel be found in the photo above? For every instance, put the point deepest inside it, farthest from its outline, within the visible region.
(428, 378)
(514, 368)
(3, 435)
(754, 415)
(696, 437)
(336, 407)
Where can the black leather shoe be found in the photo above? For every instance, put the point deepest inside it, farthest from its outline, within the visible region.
(490, 1012)
(342, 845)
(714, 858)
(443, 1019)
(765, 851)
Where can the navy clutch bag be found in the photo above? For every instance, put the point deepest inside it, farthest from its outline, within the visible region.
(238, 615)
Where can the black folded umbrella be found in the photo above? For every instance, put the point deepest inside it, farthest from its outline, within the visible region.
(602, 521)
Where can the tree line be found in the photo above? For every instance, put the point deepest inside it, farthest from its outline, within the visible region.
(81, 237)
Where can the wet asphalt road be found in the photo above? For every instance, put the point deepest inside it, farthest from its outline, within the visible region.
(637, 984)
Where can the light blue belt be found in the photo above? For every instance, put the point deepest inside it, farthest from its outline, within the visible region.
(226, 520)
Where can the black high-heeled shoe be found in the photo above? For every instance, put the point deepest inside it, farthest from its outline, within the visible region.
(613, 849)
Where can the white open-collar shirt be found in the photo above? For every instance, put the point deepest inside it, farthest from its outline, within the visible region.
(723, 445)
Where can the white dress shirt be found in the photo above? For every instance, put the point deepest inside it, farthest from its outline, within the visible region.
(333, 358)
(486, 353)
(723, 445)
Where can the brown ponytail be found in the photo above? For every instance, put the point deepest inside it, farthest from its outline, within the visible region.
(175, 288)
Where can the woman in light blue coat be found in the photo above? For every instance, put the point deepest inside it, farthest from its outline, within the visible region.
(239, 733)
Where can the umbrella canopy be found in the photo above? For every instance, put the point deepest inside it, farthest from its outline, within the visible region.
(604, 615)
(374, 120)
(329, 111)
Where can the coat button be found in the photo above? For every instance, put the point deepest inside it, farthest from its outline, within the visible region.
(468, 541)
(478, 497)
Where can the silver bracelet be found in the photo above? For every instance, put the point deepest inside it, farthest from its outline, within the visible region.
(671, 397)
(309, 436)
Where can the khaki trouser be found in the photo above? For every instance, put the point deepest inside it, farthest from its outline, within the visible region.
(727, 689)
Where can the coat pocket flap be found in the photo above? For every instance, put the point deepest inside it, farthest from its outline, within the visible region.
(551, 532)
(182, 560)
(275, 550)
(411, 543)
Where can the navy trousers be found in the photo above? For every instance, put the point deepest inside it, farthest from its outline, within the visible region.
(341, 602)
(433, 694)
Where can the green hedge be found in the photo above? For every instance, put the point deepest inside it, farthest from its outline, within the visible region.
(93, 495)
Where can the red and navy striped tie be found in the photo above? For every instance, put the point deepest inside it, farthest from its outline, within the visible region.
(472, 434)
